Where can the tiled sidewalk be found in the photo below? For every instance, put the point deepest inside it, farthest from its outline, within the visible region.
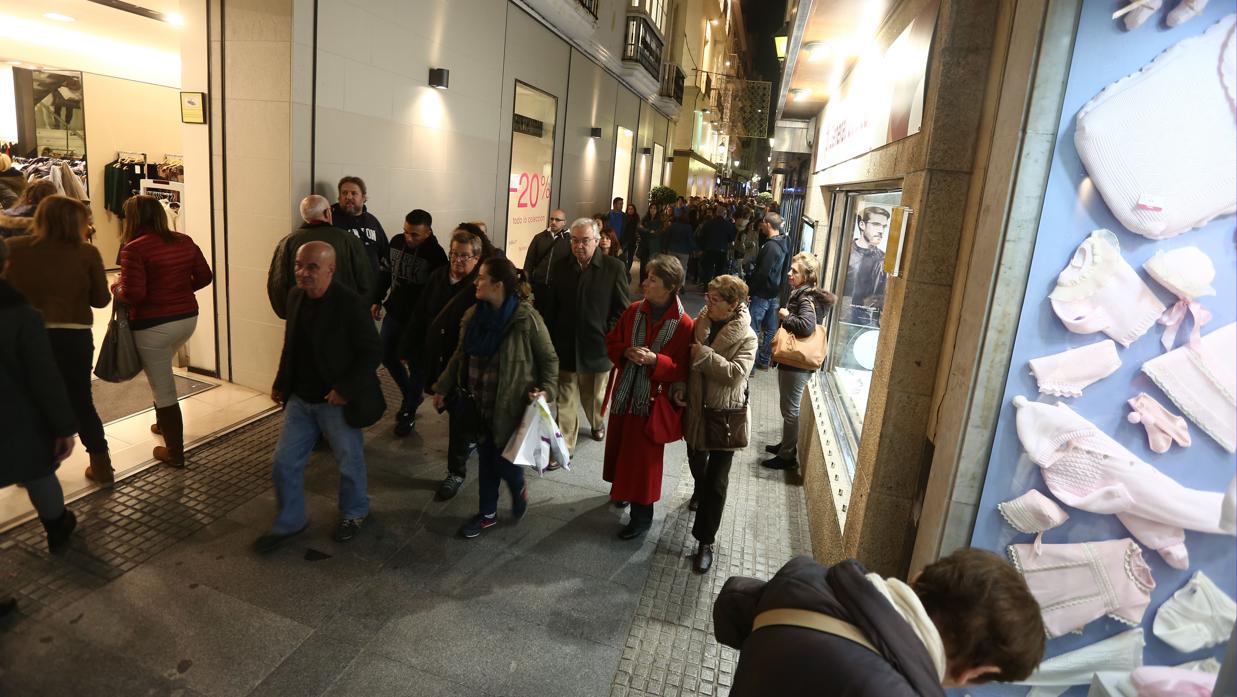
(161, 595)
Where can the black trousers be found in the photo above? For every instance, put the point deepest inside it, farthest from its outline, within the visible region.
(459, 446)
(73, 350)
(642, 514)
(711, 472)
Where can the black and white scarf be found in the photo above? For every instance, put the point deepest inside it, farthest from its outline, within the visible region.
(635, 383)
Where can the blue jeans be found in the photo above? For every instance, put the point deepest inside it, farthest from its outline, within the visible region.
(493, 468)
(764, 319)
(413, 392)
(302, 424)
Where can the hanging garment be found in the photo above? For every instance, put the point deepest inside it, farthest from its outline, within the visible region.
(1099, 292)
(1078, 583)
(1032, 513)
(1198, 616)
(1160, 144)
(1201, 379)
(1162, 426)
(1123, 652)
(1163, 681)
(1068, 373)
(1188, 273)
(1086, 469)
(70, 183)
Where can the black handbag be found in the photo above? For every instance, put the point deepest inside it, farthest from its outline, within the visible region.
(462, 404)
(724, 429)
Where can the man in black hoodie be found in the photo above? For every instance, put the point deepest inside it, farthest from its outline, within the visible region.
(843, 632)
(414, 255)
(350, 214)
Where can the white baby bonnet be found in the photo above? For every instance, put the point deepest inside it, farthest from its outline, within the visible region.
(1161, 144)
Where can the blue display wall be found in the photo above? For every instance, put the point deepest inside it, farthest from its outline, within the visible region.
(1104, 53)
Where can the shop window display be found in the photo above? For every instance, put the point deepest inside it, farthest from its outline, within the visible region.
(859, 283)
(1135, 228)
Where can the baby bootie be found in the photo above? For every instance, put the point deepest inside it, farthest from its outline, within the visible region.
(1185, 11)
(1137, 12)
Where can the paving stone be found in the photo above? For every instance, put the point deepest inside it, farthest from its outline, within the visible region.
(374, 674)
(220, 645)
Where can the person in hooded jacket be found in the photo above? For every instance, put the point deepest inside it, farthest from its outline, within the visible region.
(503, 361)
(414, 256)
(19, 219)
(39, 422)
(840, 631)
(806, 308)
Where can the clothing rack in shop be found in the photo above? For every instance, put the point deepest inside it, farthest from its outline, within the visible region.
(131, 156)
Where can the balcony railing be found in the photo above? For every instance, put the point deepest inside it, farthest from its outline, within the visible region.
(642, 44)
(672, 80)
(590, 5)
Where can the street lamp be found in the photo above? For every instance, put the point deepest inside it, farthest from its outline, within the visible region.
(779, 41)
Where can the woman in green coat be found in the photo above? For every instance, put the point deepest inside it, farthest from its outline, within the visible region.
(503, 361)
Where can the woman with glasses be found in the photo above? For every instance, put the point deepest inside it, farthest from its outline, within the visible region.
(723, 351)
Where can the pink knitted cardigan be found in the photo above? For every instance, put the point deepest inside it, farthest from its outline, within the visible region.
(1099, 292)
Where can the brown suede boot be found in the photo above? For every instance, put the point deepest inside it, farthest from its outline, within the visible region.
(100, 469)
(173, 429)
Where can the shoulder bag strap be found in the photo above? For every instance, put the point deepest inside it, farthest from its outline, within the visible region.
(813, 620)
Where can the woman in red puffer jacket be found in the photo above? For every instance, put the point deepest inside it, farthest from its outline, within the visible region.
(160, 269)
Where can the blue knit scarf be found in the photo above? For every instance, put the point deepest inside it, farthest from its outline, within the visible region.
(485, 331)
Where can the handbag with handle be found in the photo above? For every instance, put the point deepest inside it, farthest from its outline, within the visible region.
(665, 424)
(118, 357)
(804, 353)
(724, 429)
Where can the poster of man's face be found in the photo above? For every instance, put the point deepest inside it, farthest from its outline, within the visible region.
(872, 227)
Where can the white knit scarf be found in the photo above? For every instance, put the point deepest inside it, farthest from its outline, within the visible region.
(904, 600)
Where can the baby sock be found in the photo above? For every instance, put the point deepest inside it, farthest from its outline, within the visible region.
(1163, 427)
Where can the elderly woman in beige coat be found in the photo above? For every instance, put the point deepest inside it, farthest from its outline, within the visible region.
(722, 353)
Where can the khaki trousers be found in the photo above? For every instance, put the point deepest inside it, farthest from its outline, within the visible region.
(576, 390)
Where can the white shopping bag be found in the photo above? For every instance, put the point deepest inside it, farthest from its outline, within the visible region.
(537, 442)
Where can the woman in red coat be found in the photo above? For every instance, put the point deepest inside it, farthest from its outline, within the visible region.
(651, 345)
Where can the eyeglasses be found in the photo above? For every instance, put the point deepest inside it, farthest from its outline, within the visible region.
(582, 241)
(462, 257)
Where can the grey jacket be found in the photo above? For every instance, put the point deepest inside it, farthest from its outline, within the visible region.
(718, 378)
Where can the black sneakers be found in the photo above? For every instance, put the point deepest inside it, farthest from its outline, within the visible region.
(404, 421)
(478, 523)
(449, 487)
(347, 529)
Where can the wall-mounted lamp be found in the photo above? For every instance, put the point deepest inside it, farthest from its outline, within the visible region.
(800, 94)
(646, 151)
(594, 133)
(780, 39)
(670, 159)
(817, 50)
(439, 78)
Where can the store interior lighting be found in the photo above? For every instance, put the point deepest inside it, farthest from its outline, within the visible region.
(646, 151)
(439, 78)
(594, 132)
(176, 19)
(800, 94)
(57, 17)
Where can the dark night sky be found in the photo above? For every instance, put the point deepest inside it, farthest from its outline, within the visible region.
(762, 19)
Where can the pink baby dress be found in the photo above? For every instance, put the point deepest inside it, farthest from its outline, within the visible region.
(1086, 469)
(1099, 292)
(1078, 583)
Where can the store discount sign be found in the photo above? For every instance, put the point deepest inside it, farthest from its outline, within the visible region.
(529, 185)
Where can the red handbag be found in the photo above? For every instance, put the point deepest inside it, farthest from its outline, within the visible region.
(665, 424)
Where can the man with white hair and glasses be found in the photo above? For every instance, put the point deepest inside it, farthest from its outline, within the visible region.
(588, 294)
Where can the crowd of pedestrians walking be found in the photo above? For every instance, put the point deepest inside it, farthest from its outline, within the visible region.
(482, 338)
